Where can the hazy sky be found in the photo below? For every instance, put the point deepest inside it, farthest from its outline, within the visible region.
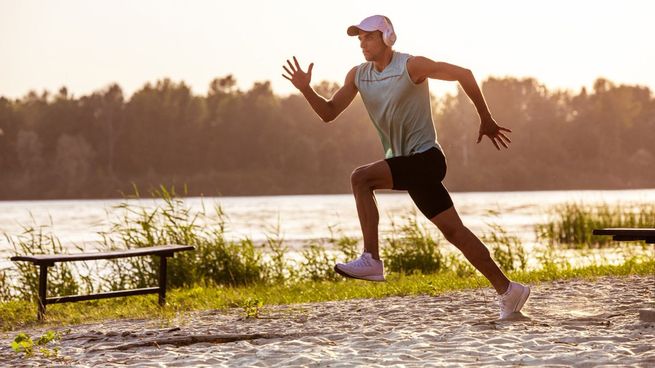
(86, 45)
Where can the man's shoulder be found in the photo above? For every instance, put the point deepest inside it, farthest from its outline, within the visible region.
(403, 54)
(354, 71)
(362, 65)
(357, 70)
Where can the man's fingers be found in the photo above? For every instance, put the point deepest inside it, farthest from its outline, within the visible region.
(505, 129)
(309, 69)
(503, 139)
(495, 144)
(479, 138)
(296, 61)
(286, 77)
(502, 142)
(285, 68)
(291, 66)
(498, 138)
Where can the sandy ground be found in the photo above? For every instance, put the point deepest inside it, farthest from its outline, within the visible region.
(568, 323)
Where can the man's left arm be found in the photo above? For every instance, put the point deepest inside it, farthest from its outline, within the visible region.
(421, 68)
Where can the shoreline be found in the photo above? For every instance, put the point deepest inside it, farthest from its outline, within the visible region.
(574, 322)
(585, 189)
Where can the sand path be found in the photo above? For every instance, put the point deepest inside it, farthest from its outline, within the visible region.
(565, 323)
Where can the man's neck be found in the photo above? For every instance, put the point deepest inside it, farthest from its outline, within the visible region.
(384, 60)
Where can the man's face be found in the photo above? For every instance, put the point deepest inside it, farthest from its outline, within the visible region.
(371, 44)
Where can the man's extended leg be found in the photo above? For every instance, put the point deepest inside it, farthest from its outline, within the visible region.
(365, 180)
(470, 245)
(512, 295)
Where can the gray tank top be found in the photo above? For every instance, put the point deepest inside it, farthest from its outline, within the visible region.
(399, 108)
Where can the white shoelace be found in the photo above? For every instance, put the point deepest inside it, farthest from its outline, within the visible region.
(361, 262)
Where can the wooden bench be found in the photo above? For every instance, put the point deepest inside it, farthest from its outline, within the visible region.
(46, 260)
(628, 234)
(632, 234)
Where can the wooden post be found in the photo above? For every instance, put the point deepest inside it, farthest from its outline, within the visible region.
(162, 280)
(43, 287)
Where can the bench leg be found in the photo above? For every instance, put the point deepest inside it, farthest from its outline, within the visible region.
(43, 287)
(162, 280)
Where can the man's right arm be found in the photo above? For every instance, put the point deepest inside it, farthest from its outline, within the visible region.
(327, 110)
(330, 109)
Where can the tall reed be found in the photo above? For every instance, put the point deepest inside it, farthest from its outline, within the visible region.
(62, 278)
(506, 249)
(571, 224)
(215, 260)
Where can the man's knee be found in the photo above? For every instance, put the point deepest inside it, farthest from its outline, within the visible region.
(450, 225)
(360, 178)
(462, 238)
(454, 233)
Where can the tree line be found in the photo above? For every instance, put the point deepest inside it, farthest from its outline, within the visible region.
(254, 142)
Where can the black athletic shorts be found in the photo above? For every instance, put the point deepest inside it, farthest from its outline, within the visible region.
(421, 175)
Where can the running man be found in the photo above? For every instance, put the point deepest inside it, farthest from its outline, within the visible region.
(394, 89)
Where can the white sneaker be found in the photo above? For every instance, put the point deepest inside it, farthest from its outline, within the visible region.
(513, 299)
(364, 267)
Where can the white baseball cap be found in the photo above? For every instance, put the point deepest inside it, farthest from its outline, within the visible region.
(375, 23)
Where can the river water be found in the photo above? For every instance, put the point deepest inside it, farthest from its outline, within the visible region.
(302, 218)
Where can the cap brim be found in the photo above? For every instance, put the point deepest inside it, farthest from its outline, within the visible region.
(354, 30)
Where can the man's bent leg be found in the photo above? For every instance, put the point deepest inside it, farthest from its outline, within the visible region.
(470, 245)
(365, 180)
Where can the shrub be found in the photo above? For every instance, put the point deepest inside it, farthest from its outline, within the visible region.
(411, 248)
(507, 249)
(317, 264)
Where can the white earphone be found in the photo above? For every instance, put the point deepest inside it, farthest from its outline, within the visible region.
(389, 35)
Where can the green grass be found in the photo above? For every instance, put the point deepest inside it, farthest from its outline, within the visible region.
(17, 315)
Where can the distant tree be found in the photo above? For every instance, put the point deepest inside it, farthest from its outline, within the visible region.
(29, 152)
(73, 163)
(231, 141)
(104, 112)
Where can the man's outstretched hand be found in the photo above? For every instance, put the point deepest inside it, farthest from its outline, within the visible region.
(297, 76)
(492, 130)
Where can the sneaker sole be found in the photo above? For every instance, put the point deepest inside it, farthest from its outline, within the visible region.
(367, 278)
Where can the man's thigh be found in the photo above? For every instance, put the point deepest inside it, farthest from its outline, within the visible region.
(431, 198)
(376, 175)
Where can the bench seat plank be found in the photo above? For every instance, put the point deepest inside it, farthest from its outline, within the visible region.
(628, 234)
(160, 250)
